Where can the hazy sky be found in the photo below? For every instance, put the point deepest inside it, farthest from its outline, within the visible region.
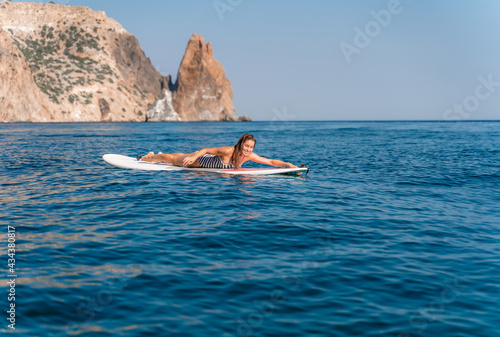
(333, 59)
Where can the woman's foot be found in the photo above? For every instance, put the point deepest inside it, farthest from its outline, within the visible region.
(146, 157)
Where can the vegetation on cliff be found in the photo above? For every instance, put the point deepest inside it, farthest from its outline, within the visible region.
(83, 66)
(57, 73)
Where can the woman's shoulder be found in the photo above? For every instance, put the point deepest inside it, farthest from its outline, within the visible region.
(225, 150)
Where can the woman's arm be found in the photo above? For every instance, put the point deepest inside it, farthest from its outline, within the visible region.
(273, 162)
(218, 151)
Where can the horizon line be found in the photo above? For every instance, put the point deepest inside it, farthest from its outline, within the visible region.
(286, 122)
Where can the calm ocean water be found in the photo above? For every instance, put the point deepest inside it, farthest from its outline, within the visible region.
(394, 232)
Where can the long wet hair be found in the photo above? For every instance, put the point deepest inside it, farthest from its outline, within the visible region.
(238, 148)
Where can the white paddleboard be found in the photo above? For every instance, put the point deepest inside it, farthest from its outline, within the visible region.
(125, 162)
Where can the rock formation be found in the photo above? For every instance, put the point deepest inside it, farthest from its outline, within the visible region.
(66, 63)
(244, 118)
(162, 110)
(63, 63)
(201, 93)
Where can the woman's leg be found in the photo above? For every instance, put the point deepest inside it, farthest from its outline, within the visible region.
(160, 157)
(176, 159)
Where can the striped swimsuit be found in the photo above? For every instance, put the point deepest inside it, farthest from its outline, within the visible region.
(211, 161)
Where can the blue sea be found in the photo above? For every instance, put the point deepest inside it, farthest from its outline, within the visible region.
(395, 231)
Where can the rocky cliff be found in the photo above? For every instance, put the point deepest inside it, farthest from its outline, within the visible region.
(69, 64)
(201, 93)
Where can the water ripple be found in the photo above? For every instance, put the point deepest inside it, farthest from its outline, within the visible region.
(394, 232)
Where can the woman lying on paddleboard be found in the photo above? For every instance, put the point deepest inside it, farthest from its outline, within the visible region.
(226, 157)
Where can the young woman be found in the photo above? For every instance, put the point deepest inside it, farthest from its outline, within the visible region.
(226, 157)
